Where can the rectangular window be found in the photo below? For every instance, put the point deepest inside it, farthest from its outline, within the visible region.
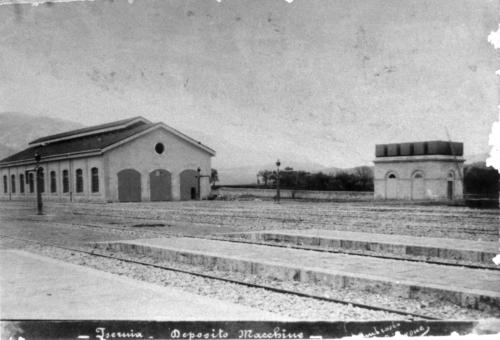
(412, 149)
(53, 184)
(21, 183)
(31, 182)
(65, 181)
(95, 179)
(5, 184)
(79, 180)
(13, 183)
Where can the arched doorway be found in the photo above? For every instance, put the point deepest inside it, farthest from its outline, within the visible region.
(160, 185)
(417, 186)
(189, 185)
(450, 187)
(129, 186)
(391, 186)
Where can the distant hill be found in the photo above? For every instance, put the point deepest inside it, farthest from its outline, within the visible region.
(18, 129)
(5, 151)
(335, 170)
(248, 174)
(480, 157)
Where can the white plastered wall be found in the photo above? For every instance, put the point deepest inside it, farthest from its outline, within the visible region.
(58, 166)
(140, 154)
(435, 178)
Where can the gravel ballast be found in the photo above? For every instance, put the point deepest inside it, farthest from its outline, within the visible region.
(305, 309)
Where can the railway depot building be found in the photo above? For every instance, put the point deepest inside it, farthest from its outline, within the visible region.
(129, 160)
(430, 170)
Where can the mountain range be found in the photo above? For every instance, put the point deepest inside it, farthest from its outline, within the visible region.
(18, 129)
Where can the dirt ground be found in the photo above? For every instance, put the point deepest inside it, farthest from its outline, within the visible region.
(77, 225)
(202, 217)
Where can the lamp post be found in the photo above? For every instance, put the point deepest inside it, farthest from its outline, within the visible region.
(38, 176)
(278, 163)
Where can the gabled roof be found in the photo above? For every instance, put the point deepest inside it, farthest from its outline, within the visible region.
(92, 140)
(169, 129)
(90, 130)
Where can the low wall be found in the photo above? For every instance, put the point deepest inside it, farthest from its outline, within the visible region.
(235, 193)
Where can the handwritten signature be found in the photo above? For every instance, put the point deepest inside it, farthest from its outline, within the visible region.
(389, 330)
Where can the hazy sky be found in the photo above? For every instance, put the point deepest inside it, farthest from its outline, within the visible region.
(310, 81)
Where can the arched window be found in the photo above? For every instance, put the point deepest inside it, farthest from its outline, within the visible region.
(391, 175)
(21, 183)
(31, 182)
(53, 183)
(95, 179)
(5, 184)
(13, 183)
(450, 189)
(418, 174)
(451, 175)
(79, 180)
(41, 180)
(65, 181)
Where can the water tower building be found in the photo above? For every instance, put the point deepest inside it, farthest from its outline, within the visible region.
(431, 170)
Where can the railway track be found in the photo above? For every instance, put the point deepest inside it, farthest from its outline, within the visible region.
(274, 244)
(463, 230)
(484, 227)
(335, 251)
(223, 279)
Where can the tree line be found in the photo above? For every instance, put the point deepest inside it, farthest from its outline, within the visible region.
(357, 179)
(478, 180)
(481, 180)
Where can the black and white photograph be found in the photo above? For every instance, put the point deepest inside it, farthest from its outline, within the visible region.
(249, 169)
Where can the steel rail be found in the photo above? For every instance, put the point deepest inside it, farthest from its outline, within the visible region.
(334, 251)
(251, 285)
(274, 244)
(461, 230)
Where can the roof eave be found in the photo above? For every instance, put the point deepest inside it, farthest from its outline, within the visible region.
(64, 156)
(418, 158)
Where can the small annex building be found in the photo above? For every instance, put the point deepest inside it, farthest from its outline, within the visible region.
(431, 170)
(129, 160)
